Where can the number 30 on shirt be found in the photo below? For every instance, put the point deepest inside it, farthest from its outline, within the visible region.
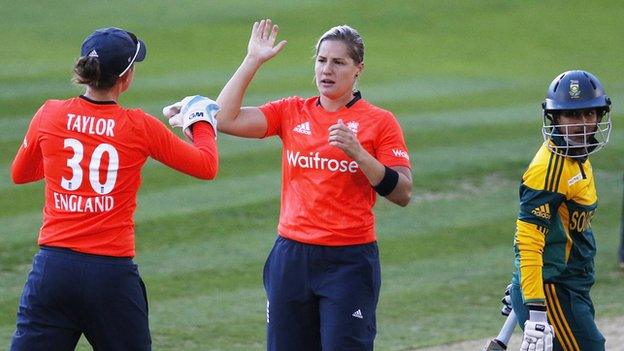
(94, 167)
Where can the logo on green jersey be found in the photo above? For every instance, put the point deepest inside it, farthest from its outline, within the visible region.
(542, 211)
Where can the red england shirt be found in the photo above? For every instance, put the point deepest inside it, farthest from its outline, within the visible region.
(326, 199)
(90, 155)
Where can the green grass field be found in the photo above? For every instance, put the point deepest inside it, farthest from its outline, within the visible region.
(465, 79)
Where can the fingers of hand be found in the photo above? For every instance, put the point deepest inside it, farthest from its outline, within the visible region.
(536, 339)
(175, 120)
(335, 129)
(254, 29)
(539, 345)
(260, 29)
(274, 32)
(340, 134)
(506, 301)
(505, 311)
(171, 110)
(528, 343)
(279, 46)
(264, 34)
(337, 144)
(268, 28)
(175, 108)
(339, 126)
(337, 138)
(533, 333)
(265, 30)
(549, 342)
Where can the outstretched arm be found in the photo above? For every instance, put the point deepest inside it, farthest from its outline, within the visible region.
(248, 121)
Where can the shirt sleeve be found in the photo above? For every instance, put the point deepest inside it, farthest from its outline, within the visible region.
(273, 113)
(28, 163)
(200, 160)
(390, 148)
(535, 219)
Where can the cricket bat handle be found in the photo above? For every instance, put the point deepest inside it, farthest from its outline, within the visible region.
(507, 330)
(500, 342)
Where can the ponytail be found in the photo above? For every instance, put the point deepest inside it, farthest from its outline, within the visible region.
(87, 71)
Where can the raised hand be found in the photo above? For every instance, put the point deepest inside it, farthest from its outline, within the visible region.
(262, 45)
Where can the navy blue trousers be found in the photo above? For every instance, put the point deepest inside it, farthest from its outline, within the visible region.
(68, 294)
(321, 297)
(570, 313)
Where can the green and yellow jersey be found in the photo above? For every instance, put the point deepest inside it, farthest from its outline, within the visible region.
(554, 242)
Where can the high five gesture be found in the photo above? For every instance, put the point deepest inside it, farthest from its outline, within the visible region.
(261, 45)
(248, 122)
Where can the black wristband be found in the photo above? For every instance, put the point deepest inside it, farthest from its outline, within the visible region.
(388, 183)
(541, 308)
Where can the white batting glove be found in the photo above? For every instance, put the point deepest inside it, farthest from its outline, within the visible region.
(190, 110)
(538, 334)
(506, 301)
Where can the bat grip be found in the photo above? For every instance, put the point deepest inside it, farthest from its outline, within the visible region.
(507, 330)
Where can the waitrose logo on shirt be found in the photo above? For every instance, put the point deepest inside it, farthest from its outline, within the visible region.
(313, 160)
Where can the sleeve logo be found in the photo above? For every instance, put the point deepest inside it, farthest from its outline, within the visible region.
(400, 153)
(542, 211)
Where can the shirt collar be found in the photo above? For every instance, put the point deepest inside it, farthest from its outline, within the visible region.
(357, 95)
(107, 102)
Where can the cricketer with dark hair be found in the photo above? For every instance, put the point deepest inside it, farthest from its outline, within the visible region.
(554, 242)
(90, 151)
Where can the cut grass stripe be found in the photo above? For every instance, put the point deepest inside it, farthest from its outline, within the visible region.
(174, 201)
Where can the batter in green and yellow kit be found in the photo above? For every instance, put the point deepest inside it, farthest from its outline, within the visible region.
(554, 242)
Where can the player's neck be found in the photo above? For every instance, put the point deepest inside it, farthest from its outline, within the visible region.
(333, 105)
(103, 95)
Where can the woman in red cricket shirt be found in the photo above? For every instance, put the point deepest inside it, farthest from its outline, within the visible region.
(322, 277)
(90, 151)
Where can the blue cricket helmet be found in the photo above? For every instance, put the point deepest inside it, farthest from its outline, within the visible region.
(574, 90)
(569, 91)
